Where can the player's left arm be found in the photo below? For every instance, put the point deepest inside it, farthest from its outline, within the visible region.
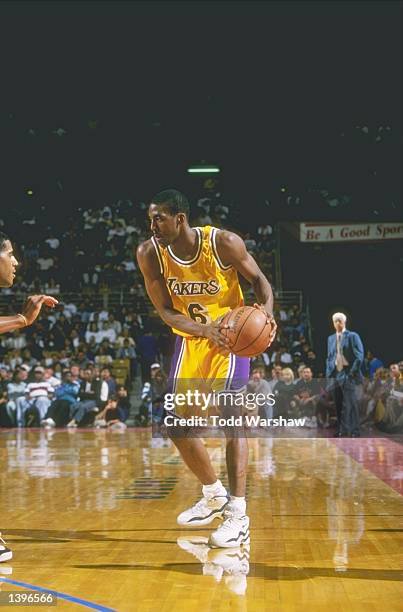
(232, 251)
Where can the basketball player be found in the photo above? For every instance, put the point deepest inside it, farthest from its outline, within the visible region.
(191, 277)
(30, 311)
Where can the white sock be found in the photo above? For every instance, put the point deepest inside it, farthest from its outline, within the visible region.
(237, 505)
(214, 490)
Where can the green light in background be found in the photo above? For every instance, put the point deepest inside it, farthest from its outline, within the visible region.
(30, 192)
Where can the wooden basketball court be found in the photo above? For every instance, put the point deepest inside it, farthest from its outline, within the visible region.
(91, 516)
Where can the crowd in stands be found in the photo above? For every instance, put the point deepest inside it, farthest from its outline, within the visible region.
(93, 253)
(60, 372)
(71, 396)
(298, 393)
(45, 369)
(91, 250)
(83, 344)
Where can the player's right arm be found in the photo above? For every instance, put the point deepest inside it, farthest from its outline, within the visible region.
(30, 312)
(159, 295)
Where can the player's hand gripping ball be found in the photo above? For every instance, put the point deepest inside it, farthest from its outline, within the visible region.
(250, 330)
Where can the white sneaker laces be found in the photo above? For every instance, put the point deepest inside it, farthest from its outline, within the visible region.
(201, 504)
(229, 520)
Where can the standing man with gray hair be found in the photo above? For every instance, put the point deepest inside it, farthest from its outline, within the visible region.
(345, 356)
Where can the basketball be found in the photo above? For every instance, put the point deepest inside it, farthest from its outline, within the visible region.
(249, 331)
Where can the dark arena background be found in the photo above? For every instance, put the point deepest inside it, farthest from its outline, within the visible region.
(281, 122)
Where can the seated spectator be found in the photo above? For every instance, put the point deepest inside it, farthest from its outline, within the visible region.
(282, 355)
(32, 408)
(91, 350)
(75, 374)
(92, 332)
(45, 265)
(66, 395)
(107, 332)
(396, 377)
(108, 378)
(312, 362)
(28, 360)
(128, 352)
(15, 359)
(300, 369)
(5, 420)
(70, 310)
(282, 315)
(128, 264)
(81, 356)
(125, 335)
(307, 393)
(16, 340)
(159, 381)
(93, 396)
(5, 375)
(155, 388)
(114, 324)
(293, 330)
(258, 384)
(116, 411)
(15, 390)
(284, 393)
(74, 340)
(101, 317)
(49, 376)
(104, 354)
(275, 377)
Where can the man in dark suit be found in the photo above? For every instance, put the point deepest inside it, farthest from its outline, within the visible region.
(345, 356)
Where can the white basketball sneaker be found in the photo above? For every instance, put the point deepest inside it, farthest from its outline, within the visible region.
(5, 553)
(233, 532)
(197, 546)
(203, 512)
(232, 564)
(228, 565)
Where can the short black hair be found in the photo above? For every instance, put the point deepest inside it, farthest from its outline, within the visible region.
(174, 201)
(3, 240)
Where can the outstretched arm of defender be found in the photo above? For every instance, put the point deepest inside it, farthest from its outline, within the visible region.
(30, 312)
(159, 295)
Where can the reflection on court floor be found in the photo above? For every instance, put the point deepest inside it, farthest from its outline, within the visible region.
(92, 515)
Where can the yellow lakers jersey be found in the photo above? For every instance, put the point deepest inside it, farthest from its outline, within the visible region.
(202, 288)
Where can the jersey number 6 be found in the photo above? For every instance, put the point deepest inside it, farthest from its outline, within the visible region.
(198, 313)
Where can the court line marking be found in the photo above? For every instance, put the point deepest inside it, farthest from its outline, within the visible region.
(77, 600)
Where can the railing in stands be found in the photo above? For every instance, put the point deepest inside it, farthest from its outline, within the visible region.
(114, 299)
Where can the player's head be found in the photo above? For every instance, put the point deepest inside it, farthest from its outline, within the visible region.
(169, 214)
(8, 262)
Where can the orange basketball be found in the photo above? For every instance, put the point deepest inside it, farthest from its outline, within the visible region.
(249, 331)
